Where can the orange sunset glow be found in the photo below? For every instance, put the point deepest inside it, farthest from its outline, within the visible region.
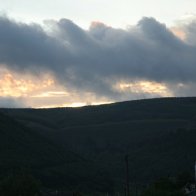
(45, 92)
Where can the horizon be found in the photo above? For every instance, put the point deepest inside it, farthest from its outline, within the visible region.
(83, 105)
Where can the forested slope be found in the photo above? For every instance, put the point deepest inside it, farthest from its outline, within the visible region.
(158, 135)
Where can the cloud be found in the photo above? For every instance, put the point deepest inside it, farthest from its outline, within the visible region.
(10, 102)
(27, 47)
(96, 59)
(190, 31)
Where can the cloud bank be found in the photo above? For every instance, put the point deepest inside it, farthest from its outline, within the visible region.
(10, 102)
(98, 59)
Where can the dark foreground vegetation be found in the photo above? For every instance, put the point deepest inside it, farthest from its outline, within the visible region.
(83, 149)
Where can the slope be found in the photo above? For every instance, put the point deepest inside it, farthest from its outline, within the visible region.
(158, 135)
(24, 149)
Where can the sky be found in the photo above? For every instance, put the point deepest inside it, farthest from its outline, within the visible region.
(82, 52)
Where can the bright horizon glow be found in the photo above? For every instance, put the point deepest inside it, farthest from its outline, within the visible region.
(42, 92)
(46, 93)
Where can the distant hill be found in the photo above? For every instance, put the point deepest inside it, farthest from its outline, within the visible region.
(158, 135)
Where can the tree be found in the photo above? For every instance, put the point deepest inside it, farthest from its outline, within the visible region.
(19, 185)
(163, 187)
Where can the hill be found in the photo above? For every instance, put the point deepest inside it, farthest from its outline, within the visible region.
(24, 150)
(158, 135)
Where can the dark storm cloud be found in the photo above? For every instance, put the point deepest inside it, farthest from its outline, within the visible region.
(92, 60)
(28, 47)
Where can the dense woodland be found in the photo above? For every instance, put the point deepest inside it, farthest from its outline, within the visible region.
(83, 149)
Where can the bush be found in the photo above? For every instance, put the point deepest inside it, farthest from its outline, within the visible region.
(163, 187)
(19, 185)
